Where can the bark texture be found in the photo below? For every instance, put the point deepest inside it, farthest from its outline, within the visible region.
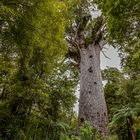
(88, 43)
(92, 105)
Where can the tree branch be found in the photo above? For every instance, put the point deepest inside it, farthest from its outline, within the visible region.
(105, 55)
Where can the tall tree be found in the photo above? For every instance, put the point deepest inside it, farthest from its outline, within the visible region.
(31, 44)
(86, 40)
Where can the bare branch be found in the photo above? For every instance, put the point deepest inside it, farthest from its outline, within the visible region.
(71, 42)
(105, 55)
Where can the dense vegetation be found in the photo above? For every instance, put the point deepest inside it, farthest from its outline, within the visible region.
(40, 68)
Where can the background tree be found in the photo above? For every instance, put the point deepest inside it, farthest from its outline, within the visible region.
(123, 27)
(122, 97)
(32, 47)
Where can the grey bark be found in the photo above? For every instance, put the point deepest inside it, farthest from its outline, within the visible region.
(92, 105)
(89, 42)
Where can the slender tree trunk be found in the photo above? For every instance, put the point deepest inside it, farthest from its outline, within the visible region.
(131, 129)
(92, 105)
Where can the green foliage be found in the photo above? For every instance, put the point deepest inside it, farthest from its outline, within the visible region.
(131, 61)
(39, 110)
(36, 87)
(37, 84)
(86, 133)
(122, 96)
(113, 137)
(122, 23)
(113, 77)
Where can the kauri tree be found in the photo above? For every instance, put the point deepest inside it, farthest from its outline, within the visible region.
(85, 36)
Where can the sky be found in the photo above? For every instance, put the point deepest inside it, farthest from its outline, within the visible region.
(113, 61)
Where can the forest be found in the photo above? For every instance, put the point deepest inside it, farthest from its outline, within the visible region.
(50, 52)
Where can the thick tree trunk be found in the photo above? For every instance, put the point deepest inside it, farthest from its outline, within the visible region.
(92, 105)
